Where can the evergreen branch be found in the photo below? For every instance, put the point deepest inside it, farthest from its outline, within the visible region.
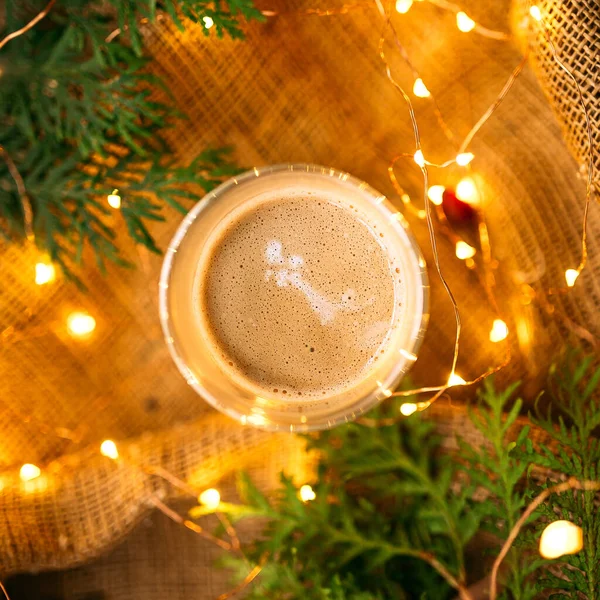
(80, 115)
(571, 484)
(499, 469)
(571, 420)
(28, 26)
(387, 502)
(224, 16)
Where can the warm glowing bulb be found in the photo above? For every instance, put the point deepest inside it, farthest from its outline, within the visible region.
(210, 498)
(29, 472)
(257, 420)
(307, 493)
(456, 379)
(419, 158)
(466, 191)
(464, 251)
(109, 449)
(464, 22)
(464, 158)
(499, 331)
(436, 194)
(114, 200)
(560, 538)
(536, 13)
(44, 273)
(403, 6)
(408, 408)
(571, 276)
(208, 22)
(80, 324)
(420, 89)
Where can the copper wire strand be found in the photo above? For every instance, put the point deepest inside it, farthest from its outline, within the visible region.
(590, 175)
(342, 10)
(22, 191)
(571, 484)
(4, 591)
(487, 282)
(480, 29)
(415, 73)
(252, 575)
(571, 325)
(492, 109)
(347, 8)
(318, 12)
(419, 213)
(28, 26)
(439, 390)
(430, 559)
(177, 518)
(178, 483)
(483, 235)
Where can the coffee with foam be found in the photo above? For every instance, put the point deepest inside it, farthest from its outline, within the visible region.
(298, 296)
(293, 297)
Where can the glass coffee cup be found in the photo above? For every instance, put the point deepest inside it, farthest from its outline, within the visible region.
(293, 297)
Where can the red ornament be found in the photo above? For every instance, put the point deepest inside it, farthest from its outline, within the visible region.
(458, 213)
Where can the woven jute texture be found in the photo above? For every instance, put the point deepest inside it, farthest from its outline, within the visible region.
(574, 28)
(301, 88)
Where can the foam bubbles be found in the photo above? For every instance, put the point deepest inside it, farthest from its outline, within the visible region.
(300, 296)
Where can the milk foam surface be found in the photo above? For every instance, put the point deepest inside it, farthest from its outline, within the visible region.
(298, 296)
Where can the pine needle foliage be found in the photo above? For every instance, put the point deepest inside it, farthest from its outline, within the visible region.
(388, 499)
(499, 470)
(80, 120)
(572, 419)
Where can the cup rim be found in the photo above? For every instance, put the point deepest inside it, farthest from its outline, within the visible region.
(341, 415)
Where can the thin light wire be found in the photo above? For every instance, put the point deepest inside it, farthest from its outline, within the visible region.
(346, 8)
(22, 191)
(571, 484)
(488, 280)
(190, 490)
(342, 10)
(492, 109)
(415, 73)
(4, 591)
(177, 518)
(483, 234)
(463, 592)
(25, 28)
(590, 136)
(480, 29)
(432, 237)
(439, 389)
(247, 580)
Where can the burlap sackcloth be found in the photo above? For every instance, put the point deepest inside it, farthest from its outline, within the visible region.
(301, 88)
(574, 27)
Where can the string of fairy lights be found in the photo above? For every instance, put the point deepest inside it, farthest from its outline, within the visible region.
(560, 537)
(467, 192)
